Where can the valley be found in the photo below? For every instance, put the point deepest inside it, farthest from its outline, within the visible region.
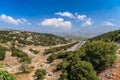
(23, 60)
(59, 39)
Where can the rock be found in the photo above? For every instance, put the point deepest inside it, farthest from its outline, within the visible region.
(114, 66)
(108, 75)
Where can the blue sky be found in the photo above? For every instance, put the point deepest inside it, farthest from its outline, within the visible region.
(60, 15)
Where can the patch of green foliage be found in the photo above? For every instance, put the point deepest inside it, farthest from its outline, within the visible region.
(2, 52)
(52, 57)
(34, 51)
(101, 54)
(18, 53)
(83, 64)
(40, 73)
(4, 75)
(60, 55)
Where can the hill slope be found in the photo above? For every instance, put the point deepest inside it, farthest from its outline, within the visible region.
(110, 36)
(31, 38)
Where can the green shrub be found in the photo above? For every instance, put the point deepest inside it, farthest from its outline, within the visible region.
(2, 52)
(81, 70)
(40, 73)
(4, 75)
(2, 55)
(18, 53)
(52, 57)
(101, 54)
(26, 59)
(34, 51)
(63, 65)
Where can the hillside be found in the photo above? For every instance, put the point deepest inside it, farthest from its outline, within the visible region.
(31, 38)
(65, 60)
(23, 53)
(110, 36)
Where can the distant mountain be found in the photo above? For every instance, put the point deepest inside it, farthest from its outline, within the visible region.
(81, 35)
(85, 33)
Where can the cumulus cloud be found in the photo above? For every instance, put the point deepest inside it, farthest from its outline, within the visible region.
(12, 20)
(56, 22)
(81, 17)
(70, 15)
(9, 19)
(88, 22)
(66, 14)
(108, 23)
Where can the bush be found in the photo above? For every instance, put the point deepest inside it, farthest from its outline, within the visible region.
(34, 51)
(26, 59)
(81, 70)
(101, 54)
(2, 55)
(2, 52)
(77, 70)
(4, 75)
(63, 65)
(18, 53)
(40, 73)
(52, 57)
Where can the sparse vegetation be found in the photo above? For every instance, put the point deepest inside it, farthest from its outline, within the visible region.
(34, 51)
(31, 38)
(56, 49)
(25, 68)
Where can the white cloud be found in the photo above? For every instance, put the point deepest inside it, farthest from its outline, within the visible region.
(11, 20)
(81, 17)
(88, 22)
(66, 14)
(56, 22)
(76, 16)
(108, 23)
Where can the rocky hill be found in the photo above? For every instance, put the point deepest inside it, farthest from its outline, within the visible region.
(30, 38)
